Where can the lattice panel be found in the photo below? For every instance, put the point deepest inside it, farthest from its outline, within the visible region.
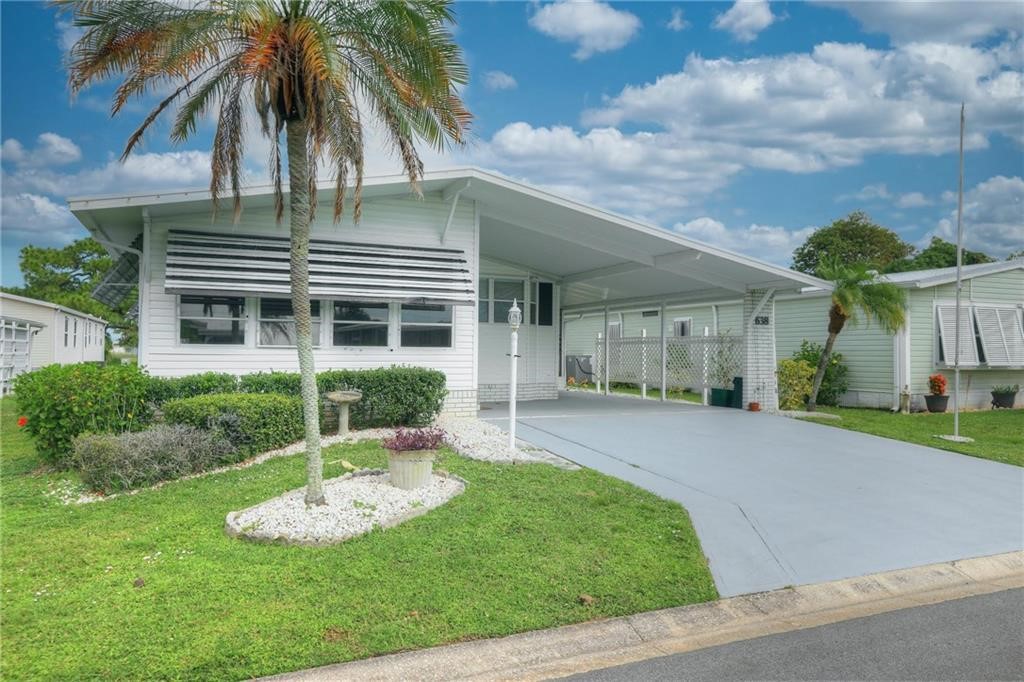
(692, 362)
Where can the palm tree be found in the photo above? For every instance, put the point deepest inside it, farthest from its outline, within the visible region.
(314, 69)
(856, 288)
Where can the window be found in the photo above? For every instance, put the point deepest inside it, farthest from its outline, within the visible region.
(541, 304)
(426, 325)
(615, 330)
(215, 320)
(277, 322)
(67, 324)
(496, 297)
(682, 326)
(74, 333)
(1000, 335)
(360, 324)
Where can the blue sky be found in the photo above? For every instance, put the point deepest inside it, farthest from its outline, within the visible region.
(746, 125)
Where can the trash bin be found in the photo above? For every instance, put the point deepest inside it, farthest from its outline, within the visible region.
(737, 393)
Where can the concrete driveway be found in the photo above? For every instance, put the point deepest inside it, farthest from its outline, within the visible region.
(780, 502)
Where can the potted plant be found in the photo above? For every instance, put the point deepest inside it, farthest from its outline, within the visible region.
(937, 398)
(1004, 396)
(411, 455)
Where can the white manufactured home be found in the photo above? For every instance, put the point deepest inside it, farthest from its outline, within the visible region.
(419, 281)
(62, 335)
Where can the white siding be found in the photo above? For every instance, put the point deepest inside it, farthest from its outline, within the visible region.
(48, 345)
(43, 342)
(405, 220)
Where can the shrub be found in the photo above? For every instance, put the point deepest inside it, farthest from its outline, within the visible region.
(392, 396)
(795, 378)
(61, 402)
(836, 379)
(1006, 388)
(109, 463)
(937, 384)
(252, 423)
(163, 389)
(415, 439)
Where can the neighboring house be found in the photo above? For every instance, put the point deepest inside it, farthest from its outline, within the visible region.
(419, 281)
(61, 335)
(881, 365)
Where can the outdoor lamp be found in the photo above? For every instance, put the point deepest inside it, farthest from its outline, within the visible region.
(515, 316)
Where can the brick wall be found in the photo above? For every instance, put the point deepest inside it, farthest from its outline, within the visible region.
(490, 393)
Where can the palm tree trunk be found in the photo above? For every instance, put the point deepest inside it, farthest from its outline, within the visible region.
(298, 185)
(819, 375)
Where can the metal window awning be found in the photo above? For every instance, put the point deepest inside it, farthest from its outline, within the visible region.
(203, 263)
(122, 279)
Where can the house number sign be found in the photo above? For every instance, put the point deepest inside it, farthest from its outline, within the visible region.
(761, 320)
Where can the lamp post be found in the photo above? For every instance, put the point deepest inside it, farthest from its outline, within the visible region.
(515, 318)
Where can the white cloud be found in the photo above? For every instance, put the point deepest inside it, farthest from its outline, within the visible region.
(38, 217)
(499, 80)
(913, 200)
(767, 242)
(745, 19)
(50, 150)
(880, 192)
(958, 22)
(68, 34)
(593, 26)
(993, 217)
(677, 22)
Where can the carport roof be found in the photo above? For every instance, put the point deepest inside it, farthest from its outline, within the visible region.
(598, 257)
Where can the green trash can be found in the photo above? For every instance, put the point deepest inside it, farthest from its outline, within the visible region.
(737, 393)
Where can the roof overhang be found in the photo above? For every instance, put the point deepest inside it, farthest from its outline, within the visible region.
(598, 257)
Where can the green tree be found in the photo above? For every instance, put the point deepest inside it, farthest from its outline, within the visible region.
(856, 289)
(314, 70)
(853, 239)
(67, 275)
(939, 254)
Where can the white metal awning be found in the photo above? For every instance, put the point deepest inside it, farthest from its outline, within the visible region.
(202, 263)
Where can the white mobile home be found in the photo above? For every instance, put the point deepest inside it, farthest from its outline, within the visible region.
(421, 281)
(63, 336)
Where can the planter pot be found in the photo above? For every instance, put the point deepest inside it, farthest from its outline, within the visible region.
(721, 397)
(936, 403)
(410, 469)
(1003, 399)
(754, 407)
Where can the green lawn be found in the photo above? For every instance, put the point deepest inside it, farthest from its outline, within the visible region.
(512, 553)
(653, 393)
(998, 435)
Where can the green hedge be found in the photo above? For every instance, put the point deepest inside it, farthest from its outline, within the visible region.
(836, 379)
(162, 389)
(63, 401)
(252, 423)
(109, 463)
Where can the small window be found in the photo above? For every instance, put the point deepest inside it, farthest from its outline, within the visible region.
(211, 320)
(277, 322)
(649, 313)
(505, 291)
(360, 324)
(682, 326)
(614, 330)
(67, 325)
(74, 334)
(426, 326)
(484, 300)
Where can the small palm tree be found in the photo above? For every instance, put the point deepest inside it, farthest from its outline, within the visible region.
(856, 288)
(314, 69)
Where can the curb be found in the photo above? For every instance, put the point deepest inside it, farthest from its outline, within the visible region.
(544, 654)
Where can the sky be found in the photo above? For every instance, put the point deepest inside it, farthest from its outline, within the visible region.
(746, 125)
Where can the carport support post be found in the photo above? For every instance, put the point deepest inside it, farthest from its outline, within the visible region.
(760, 383)
(643, 364)
(607, 360)
(664, 354)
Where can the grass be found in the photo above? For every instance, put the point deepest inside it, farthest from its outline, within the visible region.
(998, 435)
(653, 392)
(512, 553)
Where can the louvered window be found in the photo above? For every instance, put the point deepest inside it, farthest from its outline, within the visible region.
(946, 320)
(1002, 336)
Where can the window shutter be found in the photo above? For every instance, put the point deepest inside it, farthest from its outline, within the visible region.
(1001, 336)
(545, 304)
(947, 335)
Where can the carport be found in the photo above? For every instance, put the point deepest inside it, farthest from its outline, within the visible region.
(777, 501)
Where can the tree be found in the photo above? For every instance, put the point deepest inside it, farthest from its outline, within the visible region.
(856, 289)
(311, 69)
(853, 239)
(939, 254)
(67, 275)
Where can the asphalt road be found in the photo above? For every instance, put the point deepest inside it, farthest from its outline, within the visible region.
(976, 638)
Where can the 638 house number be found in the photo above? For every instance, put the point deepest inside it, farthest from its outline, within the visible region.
(761, 320)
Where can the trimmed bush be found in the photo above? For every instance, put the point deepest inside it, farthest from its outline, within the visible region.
(795, 380)
(392, 396)
(110, 463)
(62, 401)
(836, 379)
(252, 423)
(162, 389)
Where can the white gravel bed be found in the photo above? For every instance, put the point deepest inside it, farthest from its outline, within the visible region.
(356, 504)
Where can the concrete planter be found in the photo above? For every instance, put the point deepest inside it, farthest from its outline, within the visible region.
(936, 403)
(410, 469)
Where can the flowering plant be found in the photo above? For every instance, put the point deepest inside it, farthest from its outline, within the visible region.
(22, 422)
(937, 384)
(415, 439)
